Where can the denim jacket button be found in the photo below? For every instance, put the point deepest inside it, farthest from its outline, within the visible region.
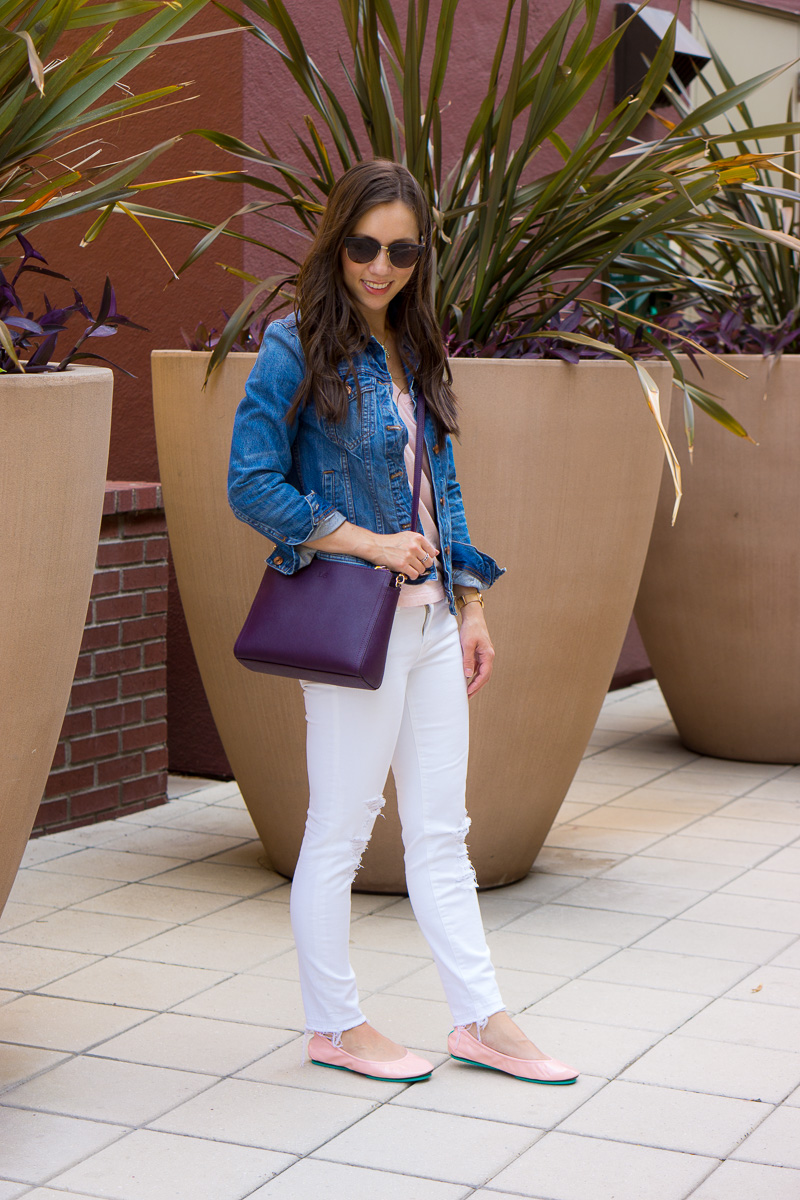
(277, 561)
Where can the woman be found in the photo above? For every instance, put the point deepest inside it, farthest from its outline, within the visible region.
(321, 462)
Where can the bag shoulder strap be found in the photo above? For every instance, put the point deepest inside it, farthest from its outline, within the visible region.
(419, 453)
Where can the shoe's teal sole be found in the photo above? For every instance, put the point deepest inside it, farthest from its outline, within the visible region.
(524, 1078)
(380, 1078)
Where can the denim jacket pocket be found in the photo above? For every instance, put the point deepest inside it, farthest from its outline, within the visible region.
(359, 425)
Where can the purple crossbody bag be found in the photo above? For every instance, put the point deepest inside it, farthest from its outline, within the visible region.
(331, 621)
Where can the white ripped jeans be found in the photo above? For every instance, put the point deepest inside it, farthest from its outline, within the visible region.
(417, 722)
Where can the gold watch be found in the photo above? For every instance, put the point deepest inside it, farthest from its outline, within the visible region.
(471, 597)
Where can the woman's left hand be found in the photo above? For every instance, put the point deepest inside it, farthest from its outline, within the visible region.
(476, 647)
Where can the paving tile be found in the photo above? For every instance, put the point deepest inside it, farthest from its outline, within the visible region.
(767, 885)
(647, 751)
(794, 1099)
(519, 989)
(545, 955)
(769, 985)
(593, 771)
(257, 1000)
(57, 891)
(585, 924)
(747, 1023)
(729, 829)
(590, 837)
(29, 967)
(158, 903)
(783, 787)
(691, 779)
(667, 1118)
(194, 1044)
(18, 916)
(563, 861)
(127, 981)
(56, 1024)
(423, 1024)
(265, 1115)
(778, 916)
(671, 872)
(537, 887)
(710, 850)
(786, 860)
(193, 946)
(112, 864)
(564, 1167)
(754, 808)
(472, 1092)
(716, 941)
(380, 933)
(335, 1181)
(36, 1145)
(451, 1149)
(660, 798)
(252, 855)
(602, 1050)
(619, 896)
(18, 1063)
(616, 1004)
(102, 1089)
(208, 819)
(250, 916)
(776, 1142)
(570, 810)
(172, 843)
(679, 972)
(789, 958)
(723, 1069)
(217, 878)
(289, 1066)
(582, 791)
(637, 819)
(90, 933)
(374, 969)
(734, 769)
(745, 1181)
(10, 1191)
(163, 1166)
(43, 849)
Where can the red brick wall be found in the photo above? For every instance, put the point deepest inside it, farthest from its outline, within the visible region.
(112, 755)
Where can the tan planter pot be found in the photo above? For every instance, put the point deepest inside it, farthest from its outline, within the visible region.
(53, 456)
(560, 467)
(719, 604)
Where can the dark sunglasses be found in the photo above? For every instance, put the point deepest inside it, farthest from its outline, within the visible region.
(366, 249)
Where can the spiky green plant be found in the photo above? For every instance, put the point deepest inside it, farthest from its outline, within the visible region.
(513, 250)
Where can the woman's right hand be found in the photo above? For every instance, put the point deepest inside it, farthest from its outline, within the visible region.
(410, 554)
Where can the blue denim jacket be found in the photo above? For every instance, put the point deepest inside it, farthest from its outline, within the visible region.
(293, 482)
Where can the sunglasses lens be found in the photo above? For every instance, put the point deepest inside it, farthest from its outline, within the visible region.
(404, 254)
(362, 249)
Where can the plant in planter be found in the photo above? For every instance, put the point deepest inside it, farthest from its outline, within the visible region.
(60, 65)
(514, 253)
(719, 603)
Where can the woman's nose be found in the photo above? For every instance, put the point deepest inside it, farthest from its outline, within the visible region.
(381, 265)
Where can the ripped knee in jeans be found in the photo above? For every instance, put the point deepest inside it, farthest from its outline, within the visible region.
(467, 870)
(359, 844)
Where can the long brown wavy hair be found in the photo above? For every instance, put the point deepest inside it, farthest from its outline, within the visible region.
(331, 328)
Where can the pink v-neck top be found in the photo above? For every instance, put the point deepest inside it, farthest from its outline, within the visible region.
(415, 595)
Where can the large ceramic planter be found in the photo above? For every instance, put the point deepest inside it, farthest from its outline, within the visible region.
(560, 467)
(719, 604)
(53, 456)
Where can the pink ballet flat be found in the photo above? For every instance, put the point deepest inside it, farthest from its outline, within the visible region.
(407, 1069)
(467, 1049)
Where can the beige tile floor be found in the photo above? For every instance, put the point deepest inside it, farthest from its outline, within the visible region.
(150, 1015)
